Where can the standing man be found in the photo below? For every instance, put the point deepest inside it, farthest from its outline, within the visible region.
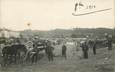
(64, 49)
(49, 52)
(95, 46)
(85, 49)
(109, 41)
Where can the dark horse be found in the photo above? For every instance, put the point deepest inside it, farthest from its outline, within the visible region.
(13, 54)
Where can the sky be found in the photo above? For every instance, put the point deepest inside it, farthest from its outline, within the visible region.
(53, 14)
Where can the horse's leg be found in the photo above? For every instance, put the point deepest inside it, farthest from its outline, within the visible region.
(26, 57)
(19, 58)
(9, 59)
(14, 59)
(36, 57)
(48, 57)
(22, 57)
(29, 58)
(33, 58)
(4, 62)
(6, 59)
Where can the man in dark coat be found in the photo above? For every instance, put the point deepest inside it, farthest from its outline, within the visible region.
(109, 41)
(64, 48)
(49, 52)
(85, 49)
(95, 46)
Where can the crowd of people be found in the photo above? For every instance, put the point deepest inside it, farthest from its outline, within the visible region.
(85, 45)
(29, 51)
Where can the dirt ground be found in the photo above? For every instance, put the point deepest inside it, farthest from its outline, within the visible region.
(102, 62)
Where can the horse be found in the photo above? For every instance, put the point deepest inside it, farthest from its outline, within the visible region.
(13, 53)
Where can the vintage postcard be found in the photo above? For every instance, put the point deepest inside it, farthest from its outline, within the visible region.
(57, 35)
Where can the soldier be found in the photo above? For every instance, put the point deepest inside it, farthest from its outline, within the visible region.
(85, 49)
(95, 46)
(49, 52)
(64, 48)
(35, 42)
(109, 41)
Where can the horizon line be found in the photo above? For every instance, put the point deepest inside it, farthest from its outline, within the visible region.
(58, 28)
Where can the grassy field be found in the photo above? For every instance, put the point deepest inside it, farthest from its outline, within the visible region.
(102, 62)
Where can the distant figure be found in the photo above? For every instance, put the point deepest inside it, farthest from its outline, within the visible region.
(109, 43)
(64, 49)
(77, 46)
(49, 52)
(85, 49)
(95, 46)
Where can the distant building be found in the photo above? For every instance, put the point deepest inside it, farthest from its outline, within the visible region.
(8, 33)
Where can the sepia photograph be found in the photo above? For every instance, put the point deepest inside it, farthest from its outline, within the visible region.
(57, 36)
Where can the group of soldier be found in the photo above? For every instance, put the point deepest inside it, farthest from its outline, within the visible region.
(33, 46)
(47, 46)
(85, 45)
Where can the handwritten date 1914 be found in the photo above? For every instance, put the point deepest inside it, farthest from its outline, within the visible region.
(90, 7)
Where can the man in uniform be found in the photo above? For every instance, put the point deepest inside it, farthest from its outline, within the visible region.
(64, 48)
(95, 46)
(85, 49)
(49, 52)
(109, 41)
